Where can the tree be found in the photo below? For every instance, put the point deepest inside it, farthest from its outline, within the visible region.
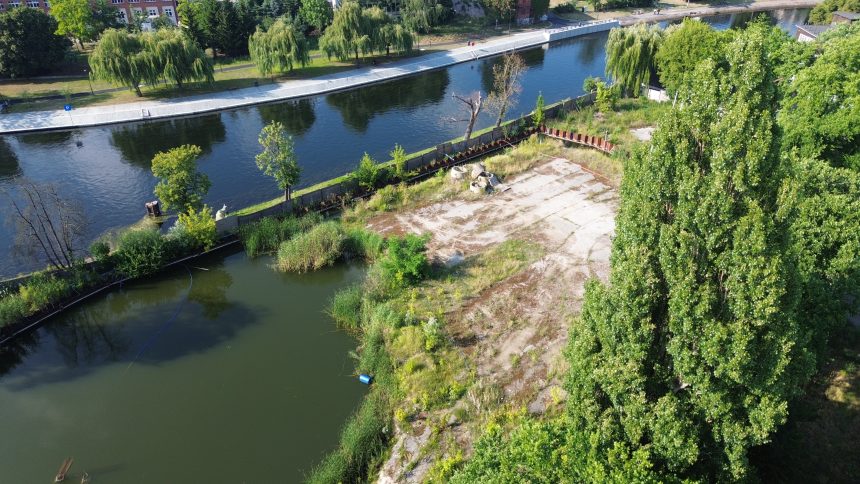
(74, 18)
(367, 174)
(506, 84)
(473, 104)
(189, 13)
(422, 15)
(397, 36)
(538, 116)
(606, 97)
(821, 110)
(278, 158)
(28, 43)
(177, 56)
(696, 346)
(630, 53)
(346, 36)
(398, 160)
(104, 16)
(540, 8)
(502, 9)
(48, 224)
(316, 13)
(823, 12)
(683, 47)
(120, 57)
(180, 186)
(279, 48)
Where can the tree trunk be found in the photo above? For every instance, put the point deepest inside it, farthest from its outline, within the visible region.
(137, 90)
(501, 114)
(471, 125)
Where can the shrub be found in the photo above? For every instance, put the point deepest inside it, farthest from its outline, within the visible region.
(345, 307)
(607, 97)
(199, 227)
(43, 290)
(432, 334)
(100, 250)
(590, 84)
(405, 262)
(12, 308)
(141, 252)
(368, 174)
(398, 160)
(315, 249)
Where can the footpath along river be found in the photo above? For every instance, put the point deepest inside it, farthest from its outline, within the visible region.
(106, 170)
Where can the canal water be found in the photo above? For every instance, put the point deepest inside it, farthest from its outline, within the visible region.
(106, 170)
(242, 378)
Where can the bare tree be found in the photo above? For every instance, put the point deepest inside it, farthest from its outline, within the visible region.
(47, 224)
(506, 84)
(473, 103)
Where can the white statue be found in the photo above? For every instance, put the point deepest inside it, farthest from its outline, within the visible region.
(221, 213)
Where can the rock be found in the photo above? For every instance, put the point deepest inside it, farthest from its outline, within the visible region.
(477, 169)
(458, 173)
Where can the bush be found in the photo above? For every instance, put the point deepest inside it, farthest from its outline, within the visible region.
(100, 250)
(607, 97)
(141, 252)
(345, 307)
(43, 290)
(312, 250)
(368, 174)
(590, 83)
(12, 308)
(199, 228)
(267, 234)
(569, 7)
(405, 262)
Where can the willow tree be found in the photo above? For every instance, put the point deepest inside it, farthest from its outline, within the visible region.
(694, 349)
(121, 57)
(279, 48)
(397, 36)
(630, 55)
(347, 35)
(422, 15)
(179, 58)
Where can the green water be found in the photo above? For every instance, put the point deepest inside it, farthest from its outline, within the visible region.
(250, 383)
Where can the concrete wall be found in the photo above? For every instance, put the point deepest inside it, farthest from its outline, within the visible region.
(562, 33)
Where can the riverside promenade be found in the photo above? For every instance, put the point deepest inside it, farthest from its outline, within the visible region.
(204, 103)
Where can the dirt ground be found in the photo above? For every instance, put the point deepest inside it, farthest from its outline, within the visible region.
(514, 333)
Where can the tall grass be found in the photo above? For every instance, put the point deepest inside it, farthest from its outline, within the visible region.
(345, 307)
(319, 247)
(267, 234)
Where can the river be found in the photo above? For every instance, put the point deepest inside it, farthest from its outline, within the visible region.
(106, 170)
(250, 383)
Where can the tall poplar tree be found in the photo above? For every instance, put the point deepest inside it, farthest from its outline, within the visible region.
(695, 347)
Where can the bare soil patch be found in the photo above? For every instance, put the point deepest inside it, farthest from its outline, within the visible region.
(513, 333)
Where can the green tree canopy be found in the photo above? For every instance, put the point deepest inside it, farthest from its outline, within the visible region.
(347, 35)
(316, 13)
(821, 110)
(74, 18)
(683, 48)
(823, 12)
(630, 55)
(697, 344)
(180, 185)
(422, 15)
(28, 42)
(121, 57)
(278, 158)
(278, 49)
(177, 57)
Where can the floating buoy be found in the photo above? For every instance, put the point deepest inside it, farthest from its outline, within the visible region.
(366, 379)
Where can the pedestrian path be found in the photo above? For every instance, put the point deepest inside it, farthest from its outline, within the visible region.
(186, 106)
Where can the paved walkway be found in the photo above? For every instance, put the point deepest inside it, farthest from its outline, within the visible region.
(715, 9)
(148, 110)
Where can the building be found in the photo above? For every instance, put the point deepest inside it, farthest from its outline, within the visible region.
(808, 33)
(150, 8)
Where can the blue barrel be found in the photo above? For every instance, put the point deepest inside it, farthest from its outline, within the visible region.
(366, 379)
